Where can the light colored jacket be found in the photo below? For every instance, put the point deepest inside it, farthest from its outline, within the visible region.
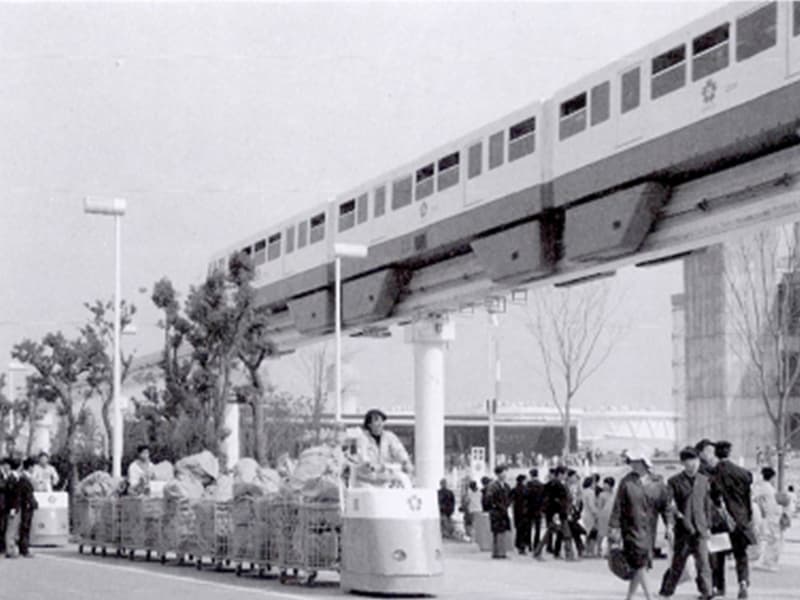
(44, 478)
(390, 451)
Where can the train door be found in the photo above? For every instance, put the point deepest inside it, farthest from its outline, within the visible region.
(794, 38)
(631, 123)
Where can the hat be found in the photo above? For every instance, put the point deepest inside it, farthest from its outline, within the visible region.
(639, 454)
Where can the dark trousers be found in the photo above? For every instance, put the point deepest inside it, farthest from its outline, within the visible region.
(686, 546)
(499, 544)
(522, 537)
(536, 528)
(3, 518)
(554, 535)
(25, 521)
(739, 544)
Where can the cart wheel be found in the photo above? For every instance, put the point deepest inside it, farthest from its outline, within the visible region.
(80, 548)
(312, 577)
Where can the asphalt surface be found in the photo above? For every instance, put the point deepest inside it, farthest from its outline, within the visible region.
(64, 574)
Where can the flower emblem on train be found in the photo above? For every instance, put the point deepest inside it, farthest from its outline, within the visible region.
(423, 209)
(709, 91)
(414, 503)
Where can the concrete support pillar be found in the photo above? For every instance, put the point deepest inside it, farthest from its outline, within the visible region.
(430, 336)
(231, 443)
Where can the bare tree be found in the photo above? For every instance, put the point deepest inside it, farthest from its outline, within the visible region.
(573, 336)
(762, 277)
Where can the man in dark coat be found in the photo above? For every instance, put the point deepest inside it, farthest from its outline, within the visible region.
(27, 504)
(447, 506)
(730, 492)
(5, 468)
(12, 509)
(556, 513)
(631, 519)
(690, 492)
(522, 523)
(498, 498)
(534, 495)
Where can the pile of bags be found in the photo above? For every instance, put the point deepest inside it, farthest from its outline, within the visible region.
(97, 485)
(317, 475)
(251, 480)
(193, 474)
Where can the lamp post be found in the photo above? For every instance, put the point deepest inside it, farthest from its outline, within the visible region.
(341, 250)
(114, 207)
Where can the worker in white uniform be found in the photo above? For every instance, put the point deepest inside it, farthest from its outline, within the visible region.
(140, 472)
(45, 476)
(380, 454)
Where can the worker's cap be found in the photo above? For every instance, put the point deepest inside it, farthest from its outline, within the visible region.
(688, 453)
(371, 414)
(640, 454)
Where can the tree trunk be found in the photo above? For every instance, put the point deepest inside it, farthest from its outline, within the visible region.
(780, 447)
(32, 425)
(566, 427)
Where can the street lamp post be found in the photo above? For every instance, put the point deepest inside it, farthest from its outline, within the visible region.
(116, 208)
(341, 250)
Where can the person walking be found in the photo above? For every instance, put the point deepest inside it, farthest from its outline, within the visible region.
(519, 509)
(605, 502)
(27, 505)
(5, 469)
(556, 512)
(471, 506)
(447, 506)
(12, 509)
(534, 495)
(589, 515)
(731, 493)
(498, 500)
(690, 491)
(630, 522)
(765, 498)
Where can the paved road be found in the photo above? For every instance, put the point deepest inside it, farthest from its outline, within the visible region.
(63, 574)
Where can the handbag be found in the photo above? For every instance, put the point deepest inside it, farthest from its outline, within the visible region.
(719, 542)
(619, 565)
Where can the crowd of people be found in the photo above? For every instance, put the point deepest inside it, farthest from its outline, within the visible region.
(709, 510)
(19, 479)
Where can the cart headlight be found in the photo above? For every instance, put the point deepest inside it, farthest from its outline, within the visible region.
(399, 555)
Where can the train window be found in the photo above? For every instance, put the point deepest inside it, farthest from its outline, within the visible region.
(424, 182)
(601, 103)
(796, 7)
(631, 90)
(401, 192)
(274, 246)
(361, 208)
(290, 239)
(317, 228)
(710, 52)
(347, 215)
(260, 256)
(379, 207)
(572, 116)
(522, 139)
(448, 171)
(475, 160)
(302, 232)
(247, 251)
(756, 31)
(669, 72)
(496, 148)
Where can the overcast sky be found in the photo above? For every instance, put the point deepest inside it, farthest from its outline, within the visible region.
(215, 120)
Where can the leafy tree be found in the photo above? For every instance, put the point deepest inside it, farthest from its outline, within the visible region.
(12, 418)
(100, 332)
(60, 367)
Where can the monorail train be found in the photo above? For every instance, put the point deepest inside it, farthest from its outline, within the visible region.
(576, 177)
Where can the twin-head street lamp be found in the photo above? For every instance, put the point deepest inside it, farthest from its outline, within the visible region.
(342, 250)
(113, 207)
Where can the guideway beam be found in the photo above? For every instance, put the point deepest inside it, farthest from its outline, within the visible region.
(430, 336)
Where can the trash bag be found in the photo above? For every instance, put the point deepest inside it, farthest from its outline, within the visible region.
(183, 487)
(97, 485)
(252, 480)
(163, 471)
(204, 466)
(221, 490)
